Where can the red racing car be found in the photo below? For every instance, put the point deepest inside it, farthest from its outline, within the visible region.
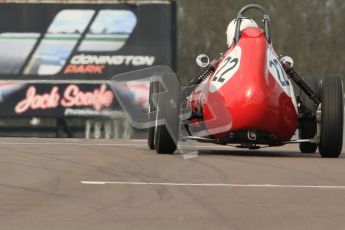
(246, 98)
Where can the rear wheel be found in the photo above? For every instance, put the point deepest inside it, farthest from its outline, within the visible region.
(307, 128)
(332, 111)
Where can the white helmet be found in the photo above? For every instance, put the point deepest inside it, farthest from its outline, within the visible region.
(230, 31)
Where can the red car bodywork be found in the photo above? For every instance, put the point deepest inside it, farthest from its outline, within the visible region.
(250, 82)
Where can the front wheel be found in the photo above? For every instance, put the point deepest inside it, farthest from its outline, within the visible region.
(167, 121)
(151, 130)
(332, 112)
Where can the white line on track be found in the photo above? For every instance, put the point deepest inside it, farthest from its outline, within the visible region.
(211, 184)
(93, 143)
(67, 143)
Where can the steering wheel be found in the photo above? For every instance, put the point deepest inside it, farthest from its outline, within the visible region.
(240, 17)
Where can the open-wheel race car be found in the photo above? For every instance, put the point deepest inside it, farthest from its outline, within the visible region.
(246, 98)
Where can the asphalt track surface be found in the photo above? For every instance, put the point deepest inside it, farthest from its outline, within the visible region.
(115, 184)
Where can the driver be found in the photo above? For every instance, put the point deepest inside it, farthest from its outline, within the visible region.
(230, 31)
(230, 34)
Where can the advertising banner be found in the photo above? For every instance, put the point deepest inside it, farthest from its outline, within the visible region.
(66, 100)
(91, 42)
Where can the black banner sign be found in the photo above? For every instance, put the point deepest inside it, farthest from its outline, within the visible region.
(61, 100)
(77, 41)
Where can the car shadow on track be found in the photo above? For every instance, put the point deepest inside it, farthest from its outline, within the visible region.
(261, 153)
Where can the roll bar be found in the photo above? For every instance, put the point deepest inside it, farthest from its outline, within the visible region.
(240, 17)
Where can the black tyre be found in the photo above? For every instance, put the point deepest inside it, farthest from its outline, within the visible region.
(168, 109)
(150, 138)
(332, 112)
(151, 130)
(307, 129)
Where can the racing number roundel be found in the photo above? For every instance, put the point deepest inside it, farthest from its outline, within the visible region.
(277, 71)
(227, 68)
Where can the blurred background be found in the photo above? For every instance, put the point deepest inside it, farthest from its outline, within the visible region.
(310, 31)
